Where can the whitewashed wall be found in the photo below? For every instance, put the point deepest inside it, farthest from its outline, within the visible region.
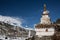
(42, 32)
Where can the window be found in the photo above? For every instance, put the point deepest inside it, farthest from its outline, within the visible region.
(46, 30)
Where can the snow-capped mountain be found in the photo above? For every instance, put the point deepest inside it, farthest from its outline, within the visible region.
(11, 28)
(11, 20)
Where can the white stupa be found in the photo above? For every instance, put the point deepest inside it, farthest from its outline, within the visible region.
(44, 28)
(45, 19)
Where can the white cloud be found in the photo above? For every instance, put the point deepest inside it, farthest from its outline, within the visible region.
(11, 20)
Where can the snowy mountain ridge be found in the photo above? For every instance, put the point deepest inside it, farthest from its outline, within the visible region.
(13, 21)
(10, 20)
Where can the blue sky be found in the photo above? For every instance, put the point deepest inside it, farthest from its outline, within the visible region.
(30, 10)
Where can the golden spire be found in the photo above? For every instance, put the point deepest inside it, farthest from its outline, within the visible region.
(44, 7)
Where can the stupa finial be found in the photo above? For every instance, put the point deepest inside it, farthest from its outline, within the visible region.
(44, 7)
